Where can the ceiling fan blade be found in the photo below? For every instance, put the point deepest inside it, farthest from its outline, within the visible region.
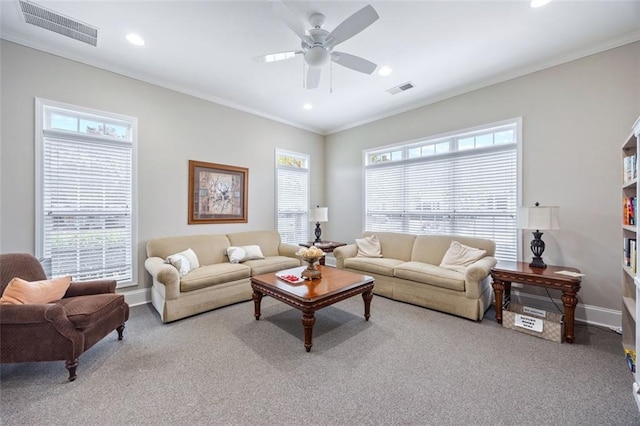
(352, 25)
(354, 62)
(313, 77)
(278, 56)
(289, 18)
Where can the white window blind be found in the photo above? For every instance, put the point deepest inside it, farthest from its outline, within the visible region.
(85, 217)
(292, 196)
(469, 188)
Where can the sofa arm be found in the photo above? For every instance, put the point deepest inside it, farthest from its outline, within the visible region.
(30, 332)
(344, 252)
(81, 288)
(475, 274)
(165, 277)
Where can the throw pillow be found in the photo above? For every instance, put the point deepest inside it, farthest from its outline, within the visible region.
(252, 253)
(193, 259)
(180, 262)
(21, 292)
(184, 261)
(460, 255)
(368, 247)
(236, 254)
(243, 253)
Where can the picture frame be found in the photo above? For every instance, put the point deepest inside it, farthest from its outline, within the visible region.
(217, 193)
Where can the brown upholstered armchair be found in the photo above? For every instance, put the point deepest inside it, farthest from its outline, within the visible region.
(61, 330)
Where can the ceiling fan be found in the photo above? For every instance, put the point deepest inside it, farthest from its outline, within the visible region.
(317, 43)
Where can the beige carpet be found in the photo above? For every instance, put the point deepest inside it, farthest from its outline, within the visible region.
(406, 366)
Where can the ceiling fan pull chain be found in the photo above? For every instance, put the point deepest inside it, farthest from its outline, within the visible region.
(331, 77)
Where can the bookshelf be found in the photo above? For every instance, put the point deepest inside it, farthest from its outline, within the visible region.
(630, 276)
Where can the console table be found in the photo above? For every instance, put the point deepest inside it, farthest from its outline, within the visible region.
(325, 246)
(504, 273)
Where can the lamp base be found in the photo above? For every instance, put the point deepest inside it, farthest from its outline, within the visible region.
(537, 248)
(537, 262)
(318, 233)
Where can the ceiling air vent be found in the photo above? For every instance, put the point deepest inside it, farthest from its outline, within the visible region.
(401, 88)
(49, 20)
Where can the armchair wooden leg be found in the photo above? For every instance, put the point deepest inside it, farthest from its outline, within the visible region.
(71, 366)
(120, 331)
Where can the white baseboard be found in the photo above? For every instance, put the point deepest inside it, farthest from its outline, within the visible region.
(636, 394)
(588, 314)
(137, 297)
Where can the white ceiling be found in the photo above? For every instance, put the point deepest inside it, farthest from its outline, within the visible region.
(205, 48)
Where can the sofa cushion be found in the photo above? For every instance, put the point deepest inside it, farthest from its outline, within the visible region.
(22, 292)
(375, 265)
(271, 264)
(209, 248)
(84, 311)
(431, 274)
(394, 245)
(368, 247)
(460, 255)
(209, 275)
(269, 241)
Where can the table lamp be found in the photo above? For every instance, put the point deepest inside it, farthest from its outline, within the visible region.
(539, 218)
(317, 215)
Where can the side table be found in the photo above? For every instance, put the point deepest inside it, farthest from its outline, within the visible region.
(325, 246)
(504, 273)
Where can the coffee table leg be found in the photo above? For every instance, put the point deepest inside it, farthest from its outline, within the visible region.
(367, 296)
(257, 298)
(308, 319)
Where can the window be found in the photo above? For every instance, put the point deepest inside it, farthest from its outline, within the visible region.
(292, 196)
(85, 181)
(462, 184)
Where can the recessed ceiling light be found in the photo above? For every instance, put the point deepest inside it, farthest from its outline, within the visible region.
(384, 71)
(307, 106)
(135, 39)
(539, 3)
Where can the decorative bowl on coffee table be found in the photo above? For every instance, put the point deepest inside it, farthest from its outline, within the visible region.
(311, 272)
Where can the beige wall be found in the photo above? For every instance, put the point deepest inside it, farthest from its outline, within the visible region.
(575, 119)
(173, 128)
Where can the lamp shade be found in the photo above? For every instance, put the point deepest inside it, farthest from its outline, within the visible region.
(319, 214)
(540, 217)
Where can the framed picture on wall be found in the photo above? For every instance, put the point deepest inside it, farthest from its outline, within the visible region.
(217, 193)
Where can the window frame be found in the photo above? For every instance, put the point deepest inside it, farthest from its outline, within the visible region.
(43, 109)
(402, 149)
(307, 159)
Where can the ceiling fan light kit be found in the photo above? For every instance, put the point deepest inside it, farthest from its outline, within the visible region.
(317, 56)
(317, 44)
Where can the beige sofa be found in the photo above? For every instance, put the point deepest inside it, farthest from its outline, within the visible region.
(217, 282)
(409, 271)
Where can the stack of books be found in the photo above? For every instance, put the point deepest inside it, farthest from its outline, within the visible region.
(629, 210)
(630, 255)
(630, 171)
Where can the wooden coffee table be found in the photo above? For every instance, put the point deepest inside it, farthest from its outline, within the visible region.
(310, 296)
